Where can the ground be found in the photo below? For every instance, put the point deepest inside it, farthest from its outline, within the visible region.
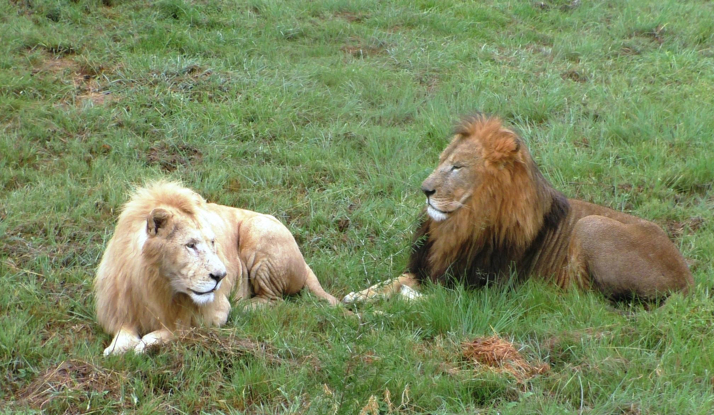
(328, 115)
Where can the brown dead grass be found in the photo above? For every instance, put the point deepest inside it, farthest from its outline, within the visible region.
(224, 345)
(72, 381)
(227, 347)
(375, 406)
(372, 407)
(677, 228)
(500, 356)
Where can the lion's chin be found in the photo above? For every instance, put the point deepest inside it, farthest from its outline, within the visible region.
(202, 299)
(202, 294)
(436, 215)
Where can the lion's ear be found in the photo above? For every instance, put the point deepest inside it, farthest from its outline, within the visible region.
(504, 147)
(157, 221)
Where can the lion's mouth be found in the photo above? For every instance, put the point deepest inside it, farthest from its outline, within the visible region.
(436, 214)
(204, 292)
(212, 290)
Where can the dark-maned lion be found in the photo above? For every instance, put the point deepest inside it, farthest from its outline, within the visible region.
(490, 211)
(174, 260)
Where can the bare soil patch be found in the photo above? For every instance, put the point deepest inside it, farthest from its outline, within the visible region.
(170, 157)
(85, 78)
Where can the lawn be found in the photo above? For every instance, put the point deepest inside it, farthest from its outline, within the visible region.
(328, 115)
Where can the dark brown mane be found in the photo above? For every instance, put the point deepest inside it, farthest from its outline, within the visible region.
(508, 217)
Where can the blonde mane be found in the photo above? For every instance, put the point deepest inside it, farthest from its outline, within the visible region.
(128, 264)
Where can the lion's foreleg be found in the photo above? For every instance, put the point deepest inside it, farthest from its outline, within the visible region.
(125, 339)
(155, 338)
(406, 285)
(216, 314)
(576, 273)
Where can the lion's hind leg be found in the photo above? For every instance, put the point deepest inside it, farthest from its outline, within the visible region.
(629, 260)
(261, 301)
(406, 285)
(126, 339)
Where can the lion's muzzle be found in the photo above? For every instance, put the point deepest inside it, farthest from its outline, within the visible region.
(217, 276)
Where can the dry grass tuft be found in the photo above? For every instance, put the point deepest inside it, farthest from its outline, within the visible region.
(214, 342)
(375, 407)
(500, 356)
(72, 381)
(372, 407)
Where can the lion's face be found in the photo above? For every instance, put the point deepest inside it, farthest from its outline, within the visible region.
(476, 164)
(185, 250)
(452, 183)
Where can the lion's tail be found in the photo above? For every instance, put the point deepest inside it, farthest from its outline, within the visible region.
(314, 286)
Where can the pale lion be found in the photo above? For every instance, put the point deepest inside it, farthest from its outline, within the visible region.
(489, 212)
(174, 260)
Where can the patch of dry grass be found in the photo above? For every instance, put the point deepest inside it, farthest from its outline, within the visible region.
(72, 382)
(501, 356)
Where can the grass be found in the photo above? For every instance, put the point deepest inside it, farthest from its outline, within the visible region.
(328, 115)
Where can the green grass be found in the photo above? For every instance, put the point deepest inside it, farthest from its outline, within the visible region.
(328, 115)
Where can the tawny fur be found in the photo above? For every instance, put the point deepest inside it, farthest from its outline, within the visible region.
(491, 213)
(147, 265)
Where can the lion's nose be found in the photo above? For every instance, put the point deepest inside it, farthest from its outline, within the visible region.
(428, 191)
(217, 276)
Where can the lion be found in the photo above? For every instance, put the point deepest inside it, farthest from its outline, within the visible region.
(490, 215)
(174, 260)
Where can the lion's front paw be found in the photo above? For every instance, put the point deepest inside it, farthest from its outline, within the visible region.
(143, 346)
(358, 297)
(217, 313)
(378, 291)
(122, 343)
(409, 293)
(153, 339)
(148, 341)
